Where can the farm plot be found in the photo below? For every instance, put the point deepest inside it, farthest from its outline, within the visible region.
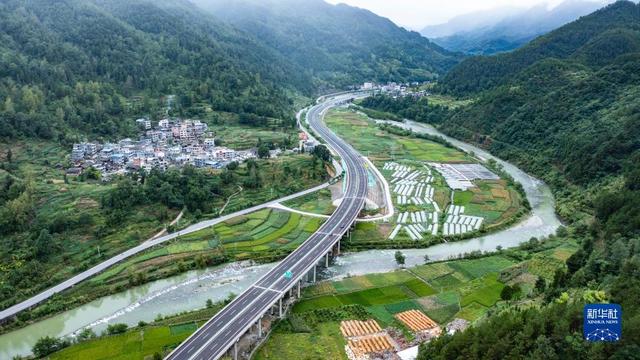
(351, 328)
(413, 186)
(461, 176)
(242, 237)
(492, 200)
(379, 144)
(370, 344)
(416, 320)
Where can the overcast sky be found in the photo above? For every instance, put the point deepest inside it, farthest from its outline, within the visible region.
(416, 14)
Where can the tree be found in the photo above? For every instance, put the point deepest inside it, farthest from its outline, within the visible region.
(114, 329)
(263, 151)
(209, 303)
(509, 292)
(321, 152)
(426, 258)
(86, 334)
(9, 156)
(541, 284)
(400, 258)
(43, 243)
(47, 345)
(232, 165)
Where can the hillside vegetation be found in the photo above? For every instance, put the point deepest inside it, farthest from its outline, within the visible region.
(87, 66)
(339, 44)
(484, 72)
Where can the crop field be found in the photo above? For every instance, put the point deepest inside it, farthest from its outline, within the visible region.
(318, 203)
(441, 290)
(491, 199)
(243, 237)
(366, 137)
(132, 345)
(326, 342)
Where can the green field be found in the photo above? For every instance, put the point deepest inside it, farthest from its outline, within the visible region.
(131, 345)
(438, 286)
(140, 343)
(250, 236)
(380, 145)
(318, 202)
(493, 200)
(325, 342)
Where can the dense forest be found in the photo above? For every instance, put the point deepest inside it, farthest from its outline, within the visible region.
(87, 66)
(565, 107)
(339, 44)
(418, 109)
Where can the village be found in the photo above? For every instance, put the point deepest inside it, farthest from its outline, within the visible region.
(168, 143)
(395, 89)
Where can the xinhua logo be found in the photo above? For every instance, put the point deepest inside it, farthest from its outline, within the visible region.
(602, 322)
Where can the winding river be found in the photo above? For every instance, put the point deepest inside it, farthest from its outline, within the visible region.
(190, 290)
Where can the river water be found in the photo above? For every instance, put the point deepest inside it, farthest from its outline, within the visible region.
(190, 290)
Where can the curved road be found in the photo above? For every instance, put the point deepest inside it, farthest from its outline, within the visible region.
(222, 331)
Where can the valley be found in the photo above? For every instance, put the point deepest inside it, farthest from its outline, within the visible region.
(307, 179)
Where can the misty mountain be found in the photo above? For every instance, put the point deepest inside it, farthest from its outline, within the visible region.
(505, 29)
(339, 44)
(471, 21)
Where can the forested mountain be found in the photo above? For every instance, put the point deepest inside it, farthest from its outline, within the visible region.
(89, 65)
(581, 41)
(569, 97)
(508, 30)
(340, 44)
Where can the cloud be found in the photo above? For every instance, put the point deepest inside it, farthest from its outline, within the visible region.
(415, 14)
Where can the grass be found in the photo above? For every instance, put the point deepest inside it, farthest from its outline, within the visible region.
(131, 345)
(140, 343)
(318, 203)
(475, 268)
(366, 137)
(448, 101)
(326, 342)
(493, 200)
(230, 133)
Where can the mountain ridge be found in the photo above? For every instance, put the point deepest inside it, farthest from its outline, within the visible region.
(339, 44)
(511, 29)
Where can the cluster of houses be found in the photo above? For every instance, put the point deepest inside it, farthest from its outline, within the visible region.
(395, 89)
(171, 143)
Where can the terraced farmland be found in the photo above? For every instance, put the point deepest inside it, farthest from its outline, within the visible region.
(264, 235)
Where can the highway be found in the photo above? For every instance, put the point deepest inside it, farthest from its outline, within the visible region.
(222, 331)
(26, 304)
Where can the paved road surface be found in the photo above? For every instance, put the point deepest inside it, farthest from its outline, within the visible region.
(15, 309)
(220, 333)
